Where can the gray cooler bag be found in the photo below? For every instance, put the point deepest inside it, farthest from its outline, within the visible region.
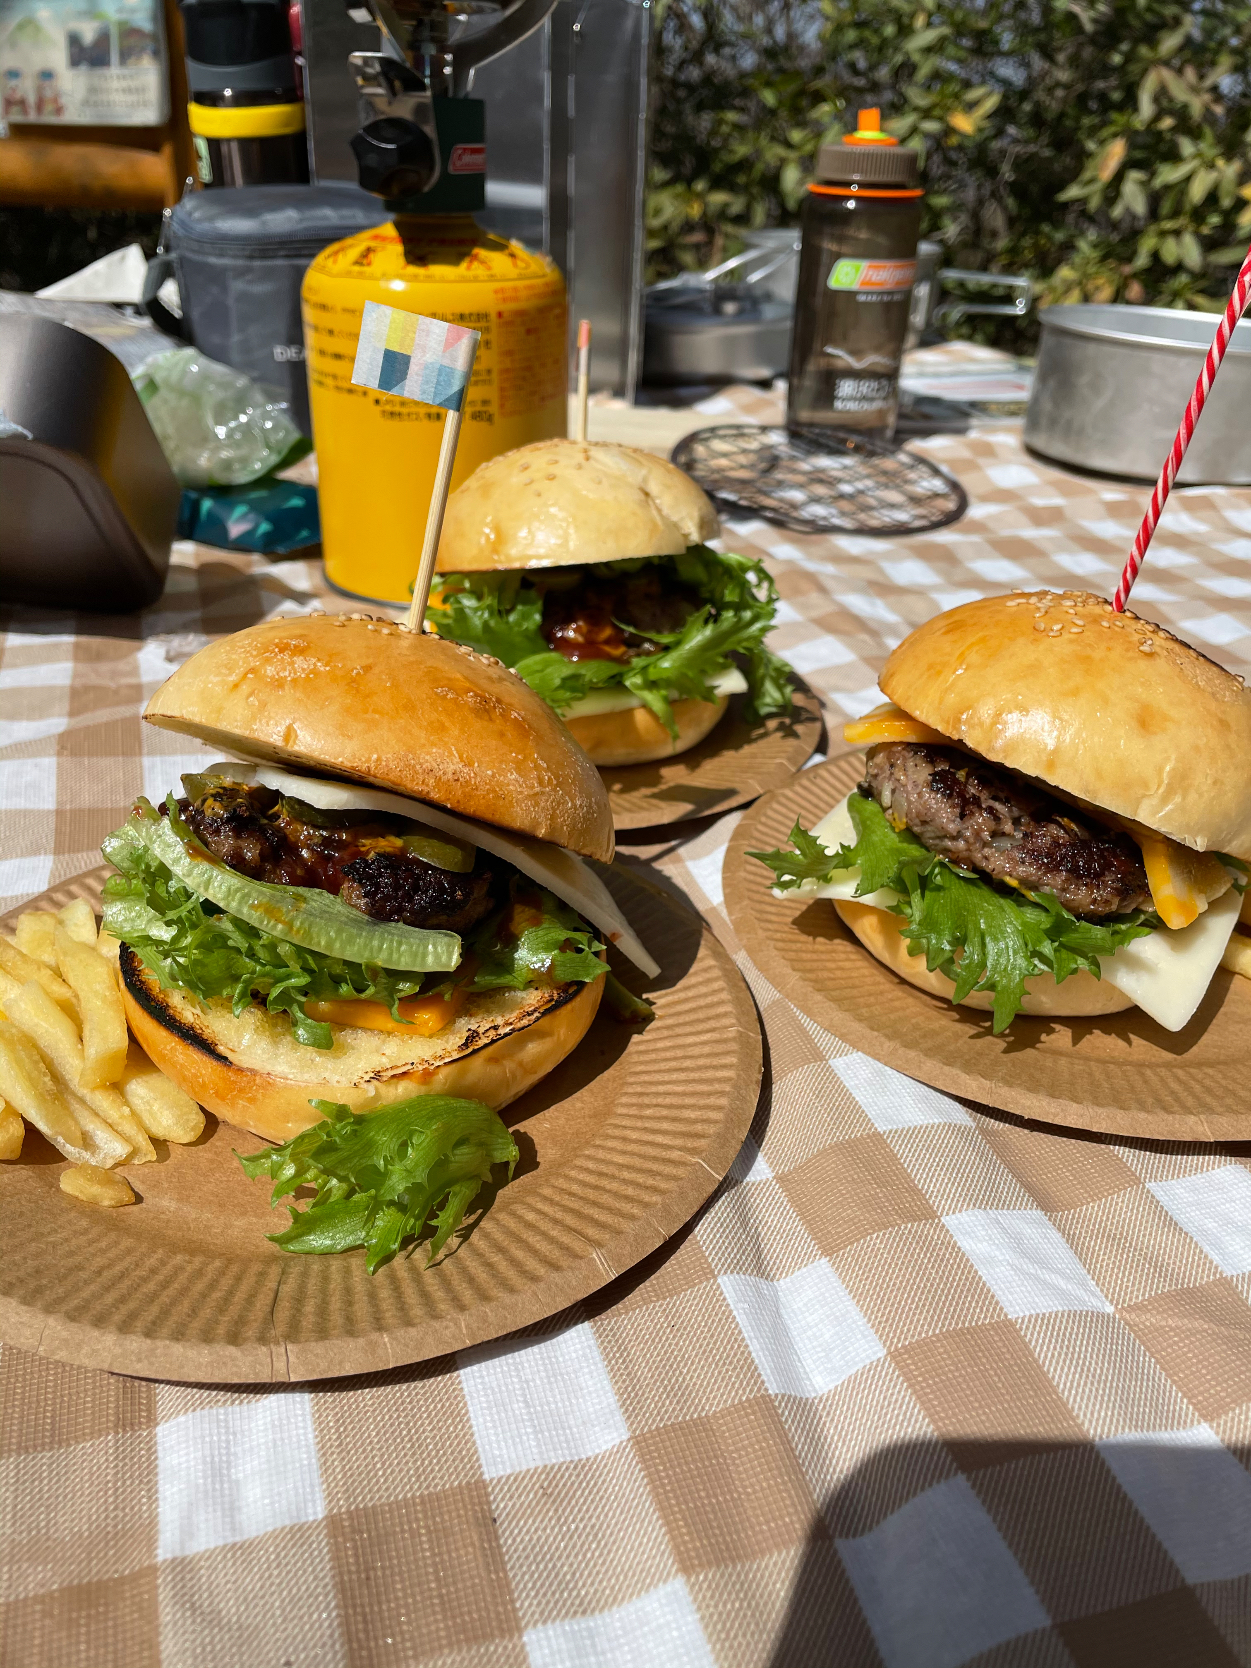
(239, 257)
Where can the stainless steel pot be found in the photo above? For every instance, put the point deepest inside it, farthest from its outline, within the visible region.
(1112, 383)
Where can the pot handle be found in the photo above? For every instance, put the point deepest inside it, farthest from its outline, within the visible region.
(161, 267)
(1020, 287)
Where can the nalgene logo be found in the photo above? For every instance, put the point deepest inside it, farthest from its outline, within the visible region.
(884, 277)
(467, 159)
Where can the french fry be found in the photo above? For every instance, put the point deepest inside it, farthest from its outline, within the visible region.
(1236, 956)
(79, 920)
(34, 931)
(104, 1146)
(55, 1035)
(110, 948)
(27, 1086)
(97, 1187)
(105, 1037)
(18, 965)
(165, 1111)
(12, 1129)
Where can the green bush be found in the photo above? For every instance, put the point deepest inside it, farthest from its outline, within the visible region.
(1101, 146)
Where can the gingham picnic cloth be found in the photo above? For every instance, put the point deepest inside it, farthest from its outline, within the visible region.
(920, 1386)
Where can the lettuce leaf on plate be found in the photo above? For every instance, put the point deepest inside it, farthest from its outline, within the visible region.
(501, 613)
(978, 935)
(380, 1177)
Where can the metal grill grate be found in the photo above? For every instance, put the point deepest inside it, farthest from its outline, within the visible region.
(820, 481)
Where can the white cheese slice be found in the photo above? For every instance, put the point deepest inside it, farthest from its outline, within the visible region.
(560, 871)
(1166, 974)
(729, 682)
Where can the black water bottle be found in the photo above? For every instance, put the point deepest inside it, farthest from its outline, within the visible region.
(857, 265)
(246, 111)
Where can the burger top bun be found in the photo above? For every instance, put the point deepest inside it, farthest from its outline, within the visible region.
(561, 502)
(348, 696)
(1105, 707)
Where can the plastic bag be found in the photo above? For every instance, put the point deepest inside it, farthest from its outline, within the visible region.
(216, 426)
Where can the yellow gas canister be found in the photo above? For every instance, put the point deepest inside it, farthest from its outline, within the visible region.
(376, 453)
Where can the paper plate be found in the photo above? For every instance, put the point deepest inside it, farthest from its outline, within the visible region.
(620, 1145)
(733, 765)
(1121, 1074)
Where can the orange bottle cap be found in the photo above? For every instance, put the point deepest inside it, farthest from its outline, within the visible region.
(869, 130)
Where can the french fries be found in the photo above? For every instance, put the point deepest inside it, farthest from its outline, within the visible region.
(105, 1037)
(55, 1035)
(27, 1086)
(18, 965)
(96, 1186)
(35, 928)
(79, 920)
(67, 1062)
(12, 1130)
(165, 1111)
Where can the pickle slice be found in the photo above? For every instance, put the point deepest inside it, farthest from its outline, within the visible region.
(439, 849)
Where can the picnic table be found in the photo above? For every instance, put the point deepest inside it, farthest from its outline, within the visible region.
(921, 1385)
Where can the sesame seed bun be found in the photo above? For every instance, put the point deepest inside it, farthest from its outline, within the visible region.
(561, 503)
(370, 701)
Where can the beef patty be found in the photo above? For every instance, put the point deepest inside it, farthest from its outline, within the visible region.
(260, 834)
(981, 817)
(611, 619)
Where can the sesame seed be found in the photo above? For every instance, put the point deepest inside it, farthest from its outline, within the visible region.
(1146, 646)
(1039, 626)
(1106, 624)
(1076, 628)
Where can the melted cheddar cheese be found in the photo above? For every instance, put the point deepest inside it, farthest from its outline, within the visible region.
(1182, 882)
(889, 723)
(422, 1016)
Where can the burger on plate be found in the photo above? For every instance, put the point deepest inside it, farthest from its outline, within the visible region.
(1055, 816)
(586, 568)
(381, 894)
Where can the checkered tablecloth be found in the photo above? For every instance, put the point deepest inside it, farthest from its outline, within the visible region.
(921, 1386)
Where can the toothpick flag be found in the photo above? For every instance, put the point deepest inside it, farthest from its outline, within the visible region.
(427, 360)
(420, 358)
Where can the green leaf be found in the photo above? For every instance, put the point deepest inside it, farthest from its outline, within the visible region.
(976, 934)
(379, 1178)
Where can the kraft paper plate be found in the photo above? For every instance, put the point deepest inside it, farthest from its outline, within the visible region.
(1121, 1074)
(734, 764)
(619, 1147)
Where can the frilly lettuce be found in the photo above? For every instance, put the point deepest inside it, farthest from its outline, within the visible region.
(500, 614)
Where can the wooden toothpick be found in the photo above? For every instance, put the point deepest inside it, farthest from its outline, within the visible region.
(584, 377)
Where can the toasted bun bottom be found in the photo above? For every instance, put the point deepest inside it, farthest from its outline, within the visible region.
(1079, 997)
(256, 1082)
(636, 736)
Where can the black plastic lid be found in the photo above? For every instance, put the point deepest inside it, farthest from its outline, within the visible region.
(886, 167)
(278, 217)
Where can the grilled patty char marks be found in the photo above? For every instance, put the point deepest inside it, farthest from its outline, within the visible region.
(254, 831)
(981, 817)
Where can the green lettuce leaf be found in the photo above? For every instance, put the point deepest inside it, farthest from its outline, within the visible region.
(500, 615)
(978, 935)
(381, 1177)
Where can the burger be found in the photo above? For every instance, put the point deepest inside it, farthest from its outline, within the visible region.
(1055, 815)
(586, 568)
(381, 894)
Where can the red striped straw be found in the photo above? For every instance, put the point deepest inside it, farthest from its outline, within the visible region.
(1224, 330)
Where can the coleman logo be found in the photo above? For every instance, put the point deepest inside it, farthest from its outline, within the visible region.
(467, 159)
(883, 276)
